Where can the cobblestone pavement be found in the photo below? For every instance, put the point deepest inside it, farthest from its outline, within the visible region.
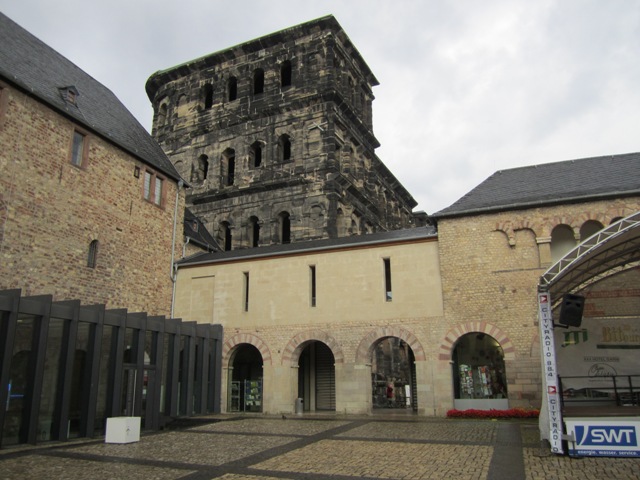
(316, 448)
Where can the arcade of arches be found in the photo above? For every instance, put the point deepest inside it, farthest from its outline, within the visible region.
(314, 375)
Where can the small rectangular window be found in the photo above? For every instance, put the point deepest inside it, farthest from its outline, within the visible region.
(312, 278)
(246, 291)
(158, 191)
(387, 279)
(78, 149)
(153, 186)
(147, 185)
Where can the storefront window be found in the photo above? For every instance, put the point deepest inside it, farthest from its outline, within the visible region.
(479, 369)
(20, 380)
(392, 374)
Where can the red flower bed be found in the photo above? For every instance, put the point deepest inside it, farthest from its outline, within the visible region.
(511, 413)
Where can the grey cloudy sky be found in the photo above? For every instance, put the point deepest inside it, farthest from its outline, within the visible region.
(466, 87)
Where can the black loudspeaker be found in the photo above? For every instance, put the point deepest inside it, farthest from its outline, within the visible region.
(571, 310)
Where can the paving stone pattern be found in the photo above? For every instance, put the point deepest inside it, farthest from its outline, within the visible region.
(316, 448)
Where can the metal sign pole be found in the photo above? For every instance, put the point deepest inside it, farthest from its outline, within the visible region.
(550, 372)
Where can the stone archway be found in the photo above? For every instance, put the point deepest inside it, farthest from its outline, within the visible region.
(291, 353)
(244, 390)
(249, 338)
(312, 357)
(368, 343)
(448, 342)
(478, 353)
(395, 390)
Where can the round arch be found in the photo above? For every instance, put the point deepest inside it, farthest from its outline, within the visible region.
(448, 342)
(365, 348)
(251, 339)
(291, 353)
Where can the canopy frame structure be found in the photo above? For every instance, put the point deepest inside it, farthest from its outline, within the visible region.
(612, 250)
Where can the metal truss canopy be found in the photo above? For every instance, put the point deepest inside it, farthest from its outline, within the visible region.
(613, 249)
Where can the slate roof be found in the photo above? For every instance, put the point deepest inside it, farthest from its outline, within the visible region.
(36, 68)
(311, 246)
(197, 233)
(579, 180)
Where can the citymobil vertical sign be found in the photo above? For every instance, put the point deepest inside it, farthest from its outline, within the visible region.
(550, 372)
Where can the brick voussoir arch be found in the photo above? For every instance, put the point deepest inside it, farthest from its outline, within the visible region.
(363, 354)
(251, 339)
(291, 353)
(452, 336)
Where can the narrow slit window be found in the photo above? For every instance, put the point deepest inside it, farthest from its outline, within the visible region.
(225, 236)
(92, 259)
(387, 279)
(285, 227)
(246, 291)
(232, 89)
(254, 231)
(258, 81)
(147, 185)
(312, 279)
(78, 152)
(208, 96)
(285, 74)
(157, 197)
(284, 148)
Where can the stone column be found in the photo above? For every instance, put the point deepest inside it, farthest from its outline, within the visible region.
(544, 250)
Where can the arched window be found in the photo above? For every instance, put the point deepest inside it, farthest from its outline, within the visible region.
(258, 81)
(284, 148)
(232, 89)
(162, 113)
(92, 258)
(254, 231)
(224, 236)
(588, 228)
(479, 369)
(200, 169)
(562, 240)
(203, 165)
(285, 74)
(341, 226)
(255, 153)
(228, 166)
(208, 96)
(284, 227)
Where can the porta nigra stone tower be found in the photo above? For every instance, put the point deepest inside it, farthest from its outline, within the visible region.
(275, 138)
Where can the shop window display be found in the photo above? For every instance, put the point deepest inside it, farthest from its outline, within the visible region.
(479, 368)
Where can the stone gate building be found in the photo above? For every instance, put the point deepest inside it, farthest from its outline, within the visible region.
(276, 137)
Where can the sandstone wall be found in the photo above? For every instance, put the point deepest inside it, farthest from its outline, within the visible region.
(51, 210)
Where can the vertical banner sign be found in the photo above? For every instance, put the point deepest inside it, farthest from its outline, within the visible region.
(550, 372)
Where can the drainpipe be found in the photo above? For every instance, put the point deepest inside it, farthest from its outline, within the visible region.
(184, 246)
(173, 272)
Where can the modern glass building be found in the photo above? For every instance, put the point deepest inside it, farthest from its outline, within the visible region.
(66, 367)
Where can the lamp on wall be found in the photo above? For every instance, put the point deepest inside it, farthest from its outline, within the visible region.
(136, 171)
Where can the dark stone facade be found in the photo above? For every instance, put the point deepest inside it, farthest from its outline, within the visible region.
(275, 136)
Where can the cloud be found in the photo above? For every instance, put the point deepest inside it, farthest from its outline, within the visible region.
(466, 87)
